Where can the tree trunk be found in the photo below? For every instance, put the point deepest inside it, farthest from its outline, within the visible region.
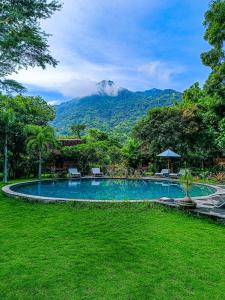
(39, 166)
(5, 173)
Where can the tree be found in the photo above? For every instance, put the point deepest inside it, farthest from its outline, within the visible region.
(215, 57)
(179, 128)
(196, 98)
(22, 41)
(27, 110)
(78, 129)
(95, 135)
(132, 154)
(98, 149)
(7, 123)
(192, 95)
(186, 181)
(39, 139)
(221, 138)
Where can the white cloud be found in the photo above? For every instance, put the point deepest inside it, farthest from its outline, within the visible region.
(96, 40)
(80, 77)
(79, 88)
(54, 102)
(160, 72)
(76, 80)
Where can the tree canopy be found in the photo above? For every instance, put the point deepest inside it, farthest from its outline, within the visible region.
(39, 138)
(214, 23)
(7, 126)
(23, 43)
(181, 129)
(78, 129)
(26, 110)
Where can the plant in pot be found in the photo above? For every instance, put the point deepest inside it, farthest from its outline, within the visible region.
(186, 181)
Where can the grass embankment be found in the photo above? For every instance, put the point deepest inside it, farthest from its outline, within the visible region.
(105, 251)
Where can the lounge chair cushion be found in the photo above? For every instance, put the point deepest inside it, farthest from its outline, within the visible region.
(73, 171)
(163, 172)
(96, 171)
(180, 173)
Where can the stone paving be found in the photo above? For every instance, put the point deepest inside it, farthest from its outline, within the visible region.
(204, 207)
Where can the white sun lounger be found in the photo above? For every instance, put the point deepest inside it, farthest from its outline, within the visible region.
(218, 200)
(163, 173)
(177, 175)
(73, 172)
(96, 172)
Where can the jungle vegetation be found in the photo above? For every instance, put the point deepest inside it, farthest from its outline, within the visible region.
(193, 126)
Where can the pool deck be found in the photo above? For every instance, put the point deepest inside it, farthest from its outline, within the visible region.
(204, 208)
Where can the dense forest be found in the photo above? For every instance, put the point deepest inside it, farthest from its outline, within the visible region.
(117, 113)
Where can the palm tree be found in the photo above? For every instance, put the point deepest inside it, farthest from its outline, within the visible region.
(39, 138)
(7, 122)
(186, 181)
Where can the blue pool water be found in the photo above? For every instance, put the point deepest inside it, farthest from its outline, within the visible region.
(110, 189)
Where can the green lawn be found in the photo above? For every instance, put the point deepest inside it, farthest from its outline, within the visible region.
(93, 251)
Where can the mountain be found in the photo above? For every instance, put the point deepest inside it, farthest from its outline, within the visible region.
(111, 108)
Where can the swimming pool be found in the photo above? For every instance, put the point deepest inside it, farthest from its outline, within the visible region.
(107, 189)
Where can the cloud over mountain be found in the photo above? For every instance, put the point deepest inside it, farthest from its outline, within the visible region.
(139, 44)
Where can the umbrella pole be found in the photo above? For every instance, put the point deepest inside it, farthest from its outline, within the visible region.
(170, 165)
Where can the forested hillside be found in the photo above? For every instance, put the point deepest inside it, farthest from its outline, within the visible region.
(107, 112)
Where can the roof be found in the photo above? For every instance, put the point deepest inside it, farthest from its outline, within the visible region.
(168, 153)
(70, 142)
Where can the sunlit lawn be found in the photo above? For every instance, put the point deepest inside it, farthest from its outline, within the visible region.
(93, 251)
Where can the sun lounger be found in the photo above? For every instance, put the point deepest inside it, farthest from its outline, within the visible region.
(177, 175)
(163, 173)
(96, 172)
(73, 172)
(218, 200)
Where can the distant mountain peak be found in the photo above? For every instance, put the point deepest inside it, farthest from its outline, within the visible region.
(105, 83)
(117, 113)
(107, 87)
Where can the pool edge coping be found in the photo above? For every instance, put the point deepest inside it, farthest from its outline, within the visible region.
(10, 193)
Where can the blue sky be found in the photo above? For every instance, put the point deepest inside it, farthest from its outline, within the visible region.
(139, 44)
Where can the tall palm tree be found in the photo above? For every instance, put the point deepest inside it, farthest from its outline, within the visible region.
(7, 123)
(39, 138)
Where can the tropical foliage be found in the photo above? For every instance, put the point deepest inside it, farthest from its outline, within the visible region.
(181, 129)
(78, 129)
(186, 181)
(215, 58)
(98, 149)
(221, 138)
(39, 139)
(7, 126)
(22, 41)
(15, 114)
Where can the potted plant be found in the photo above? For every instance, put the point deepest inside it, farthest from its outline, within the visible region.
(186, 181)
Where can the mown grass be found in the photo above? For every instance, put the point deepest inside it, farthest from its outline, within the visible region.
(108, 251)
